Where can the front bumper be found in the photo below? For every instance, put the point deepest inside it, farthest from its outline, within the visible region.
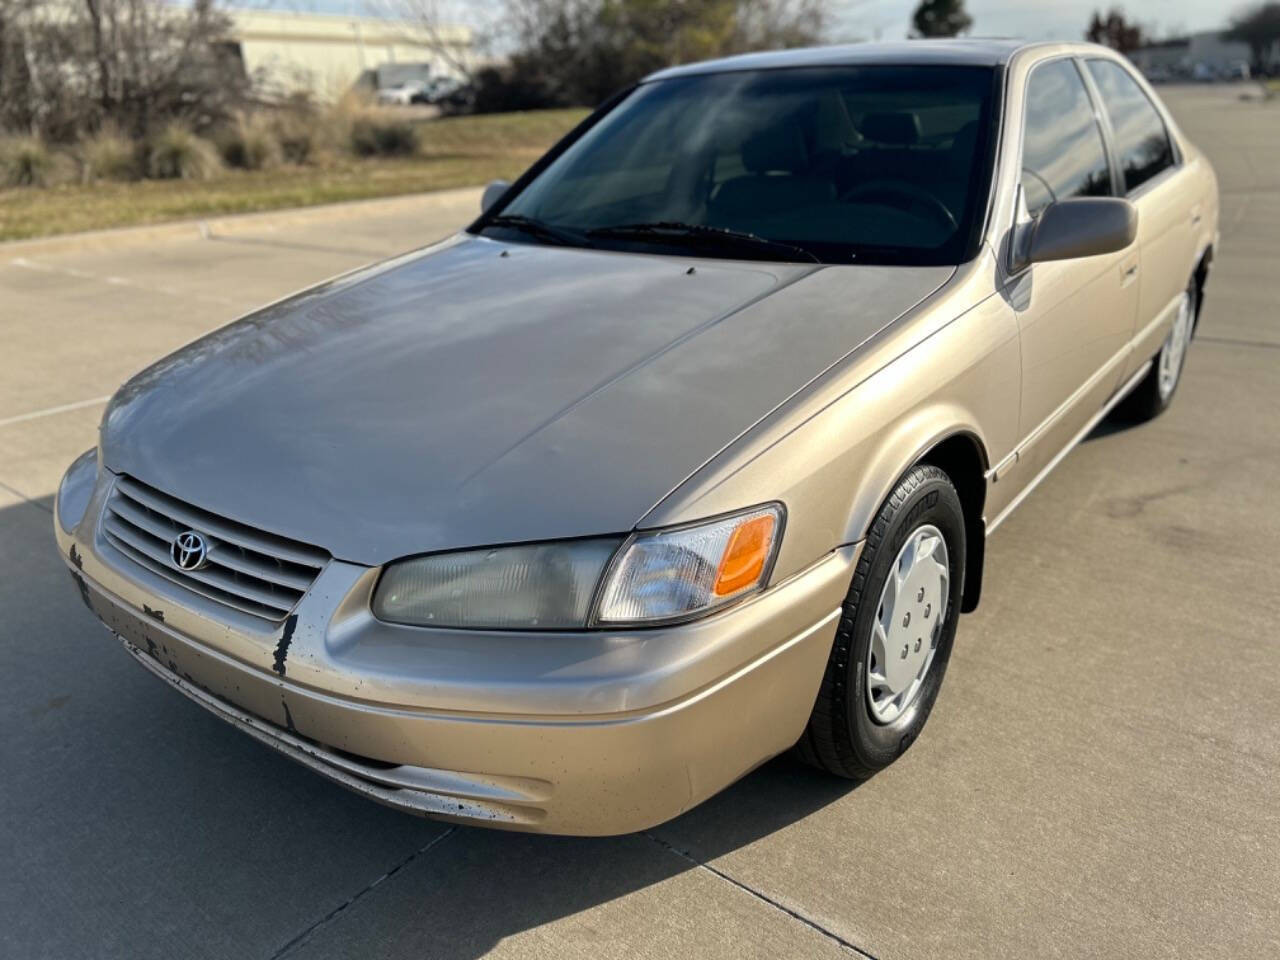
(576, 733)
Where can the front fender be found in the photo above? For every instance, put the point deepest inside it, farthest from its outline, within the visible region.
(836, 454)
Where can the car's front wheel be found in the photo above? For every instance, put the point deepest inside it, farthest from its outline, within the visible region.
(895, 635)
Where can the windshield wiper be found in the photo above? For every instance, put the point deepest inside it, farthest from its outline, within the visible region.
(672, 231)
(536, 228)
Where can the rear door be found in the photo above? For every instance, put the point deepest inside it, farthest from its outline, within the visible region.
(1153, 179)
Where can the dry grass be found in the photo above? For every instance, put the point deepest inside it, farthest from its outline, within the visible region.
(178, 154)
(496, 134)
(28, 162)
(250, 143)
(454, 152)
(108, 155)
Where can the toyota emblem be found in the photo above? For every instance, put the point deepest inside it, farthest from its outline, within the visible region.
(189, 551)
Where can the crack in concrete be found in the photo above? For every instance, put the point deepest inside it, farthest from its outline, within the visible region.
(795, 915)
(333, 914)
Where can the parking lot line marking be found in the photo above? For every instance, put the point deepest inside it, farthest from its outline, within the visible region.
(27, 264)
(296, 245)
(50, 411)
(1233, 342)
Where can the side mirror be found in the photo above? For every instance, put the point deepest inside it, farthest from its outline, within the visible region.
(492, 194)
(1080, 227)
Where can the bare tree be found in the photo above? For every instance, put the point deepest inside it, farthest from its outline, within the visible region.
(1259, 27)
(69, 67)
(31, 91)
(439, 26)
(766, 24)
(1115, 31)
(579, 51)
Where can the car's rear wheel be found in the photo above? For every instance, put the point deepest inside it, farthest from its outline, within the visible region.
(1152, 396)
(895, 635)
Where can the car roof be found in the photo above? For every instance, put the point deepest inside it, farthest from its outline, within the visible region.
(975, 53)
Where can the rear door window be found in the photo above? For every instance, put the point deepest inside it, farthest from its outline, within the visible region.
(1062, 148)
(1142, 143)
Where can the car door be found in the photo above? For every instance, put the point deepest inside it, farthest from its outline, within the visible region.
(1152, 178)
(1075, 317)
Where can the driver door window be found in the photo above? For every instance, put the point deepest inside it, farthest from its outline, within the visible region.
(1074, 316)
(1062, 149)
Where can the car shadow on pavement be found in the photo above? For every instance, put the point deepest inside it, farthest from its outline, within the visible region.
(147, 824)
(479, 887)
(1110, 425)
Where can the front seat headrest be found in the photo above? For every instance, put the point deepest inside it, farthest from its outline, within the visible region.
(900, 129)
(779, 148)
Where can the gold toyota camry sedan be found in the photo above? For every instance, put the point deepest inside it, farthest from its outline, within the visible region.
(682, 455)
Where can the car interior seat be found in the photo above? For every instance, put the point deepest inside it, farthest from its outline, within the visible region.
(779, 177)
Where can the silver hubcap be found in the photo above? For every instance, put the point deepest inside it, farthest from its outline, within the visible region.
(1175, 347)
(913, 606)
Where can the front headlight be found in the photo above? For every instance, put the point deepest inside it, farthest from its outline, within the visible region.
(654, 577)
(541, 586)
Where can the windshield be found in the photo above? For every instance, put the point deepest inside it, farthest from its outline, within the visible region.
(877, 164)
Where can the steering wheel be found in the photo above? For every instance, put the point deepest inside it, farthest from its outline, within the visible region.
(914, 195)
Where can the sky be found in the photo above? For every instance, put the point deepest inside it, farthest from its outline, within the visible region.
(1032, 19)
(890, 19)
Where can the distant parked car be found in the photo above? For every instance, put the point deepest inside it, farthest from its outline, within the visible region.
(683, 454)
(402, 94)
(439, 88)
(461, 99)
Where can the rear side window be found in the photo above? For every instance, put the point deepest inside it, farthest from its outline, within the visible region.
(1142, 142)
(1062, 149)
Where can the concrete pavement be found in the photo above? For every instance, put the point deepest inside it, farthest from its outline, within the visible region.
(1101, 775)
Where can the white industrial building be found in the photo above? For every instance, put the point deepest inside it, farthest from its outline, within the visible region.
(324, 55)
(1206, 51)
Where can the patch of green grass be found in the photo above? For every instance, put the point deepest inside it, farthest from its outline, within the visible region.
(495, 133)
(454, 152)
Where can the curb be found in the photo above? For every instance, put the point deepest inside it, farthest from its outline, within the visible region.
(238, 223)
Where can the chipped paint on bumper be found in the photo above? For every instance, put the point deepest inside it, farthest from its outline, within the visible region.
(577, 733)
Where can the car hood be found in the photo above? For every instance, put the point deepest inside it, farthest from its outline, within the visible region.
(477, 392)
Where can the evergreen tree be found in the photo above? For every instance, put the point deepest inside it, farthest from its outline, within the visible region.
(941, 18)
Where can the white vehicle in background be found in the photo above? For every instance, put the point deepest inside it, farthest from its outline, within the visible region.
(402, 94)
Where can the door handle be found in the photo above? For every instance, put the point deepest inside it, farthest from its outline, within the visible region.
(1128, 273)
(1195, 217)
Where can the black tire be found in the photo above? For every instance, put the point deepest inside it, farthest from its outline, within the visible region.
(1146, 402)
(843, 738)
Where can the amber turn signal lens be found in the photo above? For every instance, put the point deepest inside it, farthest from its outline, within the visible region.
(745, 556)
(692, 569)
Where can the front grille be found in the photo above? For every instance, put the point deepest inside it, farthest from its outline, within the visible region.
(255, 572)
